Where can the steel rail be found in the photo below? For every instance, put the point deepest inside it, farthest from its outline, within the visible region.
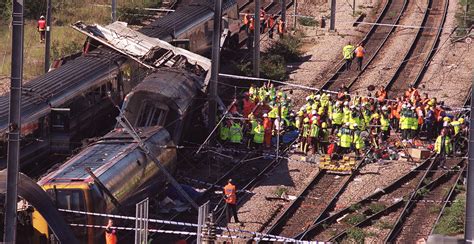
(340, 70)
(396, 205)
(290, 210)
(319, 226)
(406, 210)
(355, 79)
(411, 51)
(446, 201)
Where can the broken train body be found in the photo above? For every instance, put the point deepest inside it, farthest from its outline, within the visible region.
(158, 108)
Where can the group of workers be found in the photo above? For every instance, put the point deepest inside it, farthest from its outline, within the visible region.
(268, 22)
(265, 116)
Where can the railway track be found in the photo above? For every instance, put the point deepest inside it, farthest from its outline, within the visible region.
(374, 41)
(311, 204)
(418, 218)
(422, 49)
(395, 209)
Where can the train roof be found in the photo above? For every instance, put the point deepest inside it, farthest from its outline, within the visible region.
(99, 156)
(175, 87)
(185, 17)
(50, 90)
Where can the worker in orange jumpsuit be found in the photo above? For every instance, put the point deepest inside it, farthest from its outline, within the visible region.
(110, 233)
(360, 52)
(230, 196)
(271, 26)
(267, 126)
(281, 27)
(42, 28)
(381, 94)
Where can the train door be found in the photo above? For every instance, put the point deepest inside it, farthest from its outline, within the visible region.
(59, 127)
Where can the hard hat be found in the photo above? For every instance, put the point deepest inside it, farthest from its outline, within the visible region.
(317, 97)
(324, 125)
(300, 113)
(306, 120)
(413, 108)
(292, 114)
(447, 119)
(308, 98)
(346, 103)
(280, 94)
(384, 108)
(265, 115)
(314, 121)
(355, 125)
(352, 107)
(404, 106)
(376, 116)
(314, 106)
(338, 103)
(42, 17)
(313, 112)
(431, 103)
(251, 116)
(347, 124)
(461, 120)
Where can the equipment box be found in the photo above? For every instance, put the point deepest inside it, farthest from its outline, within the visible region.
(419, 153)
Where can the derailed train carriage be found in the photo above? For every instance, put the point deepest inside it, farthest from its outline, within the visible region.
(61, 107)
(158, 108)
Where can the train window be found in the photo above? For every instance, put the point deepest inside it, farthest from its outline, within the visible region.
(72, 200)
(151, 115)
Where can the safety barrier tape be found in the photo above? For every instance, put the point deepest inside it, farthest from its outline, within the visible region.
(169, 222)
(175, 232)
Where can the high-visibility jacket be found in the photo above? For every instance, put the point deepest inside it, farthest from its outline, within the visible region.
(281, 27)
(230, 192)
(41, 25)
(110, 237)
(337, 116)
(404, 121)
(253, 125)
(235, 133)
(252, 25)
(348, 51)
(305, 130)
(259, 133)
(314, 130)
(358, 142)
(273, 113)
(367, 116)
(298, 122)
(246, 19)
(447, 145)
(457, 126)
(270, 22)
(224, 132)
(384, 122)
(360, 51)
(413, 120)
(346, 115)
(345, 137)
(357, 120)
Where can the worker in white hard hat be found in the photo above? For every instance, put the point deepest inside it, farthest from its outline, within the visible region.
(42, 28)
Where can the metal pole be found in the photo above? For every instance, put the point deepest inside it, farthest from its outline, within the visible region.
(256, 40)
(283, 11)
(295, 4)
(332, 23)
(13, 154)
(353, 7)
(47, 48)
(114, 10)
(469, 227)
(216, 40)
